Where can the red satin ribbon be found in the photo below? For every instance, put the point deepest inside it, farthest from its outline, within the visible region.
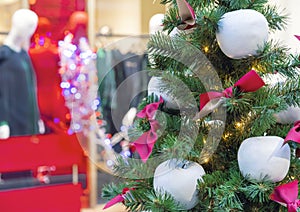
(145, 143)
(293, 134)
(287, 194)
(187, 15)
(149, 110)
(117, 199)
(250, 82)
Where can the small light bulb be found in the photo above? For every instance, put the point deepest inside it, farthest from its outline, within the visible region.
(206, 49)
(226, 136)
(238, 125)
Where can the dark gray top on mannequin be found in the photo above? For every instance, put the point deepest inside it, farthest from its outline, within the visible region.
(18, 102)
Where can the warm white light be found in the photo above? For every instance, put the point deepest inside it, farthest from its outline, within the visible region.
(206, 49)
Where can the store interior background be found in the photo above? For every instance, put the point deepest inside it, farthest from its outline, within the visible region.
(110, 21)
(123, 17)
(131, 17)
(120, 19)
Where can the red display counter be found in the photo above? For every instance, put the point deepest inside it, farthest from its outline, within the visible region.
(57, 198)
(49, 172)
(24, 190)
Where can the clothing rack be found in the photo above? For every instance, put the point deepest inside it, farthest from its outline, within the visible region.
(133, 43)
(122, 35)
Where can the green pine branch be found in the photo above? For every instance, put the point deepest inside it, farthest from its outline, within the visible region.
(276, 20)
(289, 91)
(191, 58)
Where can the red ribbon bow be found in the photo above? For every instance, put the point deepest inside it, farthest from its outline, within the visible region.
(145, 143)
(187, 15)
(209, 101)
(293, 134)
(287, 194)
(117, 199)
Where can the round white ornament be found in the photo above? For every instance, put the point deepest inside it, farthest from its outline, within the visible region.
(179, 178)
(264, 158)
(288, 116)
(156, 23)
(241, 33)
(155, 86)
(273, 80)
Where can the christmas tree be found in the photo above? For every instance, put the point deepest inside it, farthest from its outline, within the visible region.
(217, 131)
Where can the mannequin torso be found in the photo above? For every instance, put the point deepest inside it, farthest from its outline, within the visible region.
(18, 103)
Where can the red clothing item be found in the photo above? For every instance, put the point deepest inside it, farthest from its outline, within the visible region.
(58, 12)
(45, 60)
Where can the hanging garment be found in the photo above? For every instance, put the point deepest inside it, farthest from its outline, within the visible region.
(18, 101)
(123, 85)
(45, 60)
(107, 87)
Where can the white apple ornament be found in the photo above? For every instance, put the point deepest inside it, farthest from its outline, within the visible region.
(179, 178)
(241, 33)
(264, 158)
(274, 79)
(292, 113)
(288, 116)
(156, 23)
(155, 86)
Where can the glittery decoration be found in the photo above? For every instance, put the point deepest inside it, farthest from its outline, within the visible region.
(79, 82)
(79, 85)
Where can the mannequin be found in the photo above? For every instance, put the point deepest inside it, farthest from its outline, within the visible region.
(24, 23)
(18, 102)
